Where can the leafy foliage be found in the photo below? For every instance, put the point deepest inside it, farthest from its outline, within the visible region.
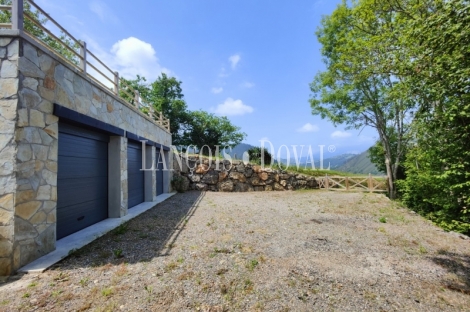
(207, 129)
(353, 90)
(255, 154)
(61, 47)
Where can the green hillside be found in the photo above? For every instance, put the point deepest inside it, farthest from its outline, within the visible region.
(360, 164)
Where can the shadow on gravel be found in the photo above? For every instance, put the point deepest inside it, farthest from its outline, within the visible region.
(459, 265)
(152, 234)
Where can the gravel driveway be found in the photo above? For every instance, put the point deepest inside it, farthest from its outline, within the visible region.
(267, 251)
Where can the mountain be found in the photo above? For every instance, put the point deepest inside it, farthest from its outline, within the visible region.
(359, 164)
(237, 151)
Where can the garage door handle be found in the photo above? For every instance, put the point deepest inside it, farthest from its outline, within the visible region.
(80, 218)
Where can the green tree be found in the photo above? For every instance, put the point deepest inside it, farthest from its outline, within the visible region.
(207, 129)
(256, 152)
(164, 95)
(436, 69)
(355, 90)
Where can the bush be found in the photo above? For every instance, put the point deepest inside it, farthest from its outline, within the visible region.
(255, 155)
(179, 183)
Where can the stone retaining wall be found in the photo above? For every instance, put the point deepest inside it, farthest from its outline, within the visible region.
(239, 177)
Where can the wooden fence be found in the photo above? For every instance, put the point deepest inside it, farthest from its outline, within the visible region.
(357, 183)
(79, 56)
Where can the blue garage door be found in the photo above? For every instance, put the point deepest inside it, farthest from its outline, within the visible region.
(134, 175)
(82, 178)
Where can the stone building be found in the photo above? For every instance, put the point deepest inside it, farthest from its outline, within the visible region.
(70, 151)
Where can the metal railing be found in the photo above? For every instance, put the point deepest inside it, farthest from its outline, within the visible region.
(75, 53)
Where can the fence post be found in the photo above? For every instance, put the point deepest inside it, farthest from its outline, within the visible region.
(168, 124)
(17, 17)
(136, 98)
(327, 183)
(347, 183)
(83, 56)
(370, 183)
(116, 83)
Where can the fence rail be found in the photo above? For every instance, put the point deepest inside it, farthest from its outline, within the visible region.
(357, 183)
(76, 54)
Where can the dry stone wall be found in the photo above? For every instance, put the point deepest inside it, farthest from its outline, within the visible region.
(238, 177)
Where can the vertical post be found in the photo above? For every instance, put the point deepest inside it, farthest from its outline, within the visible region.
(116, 83)
(347, 183)
(83, 55)
(136, 98)
(17, 17)
(327, 183)
(168, 125)
(370, 183)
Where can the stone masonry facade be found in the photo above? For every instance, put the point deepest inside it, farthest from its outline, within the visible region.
(32, 80)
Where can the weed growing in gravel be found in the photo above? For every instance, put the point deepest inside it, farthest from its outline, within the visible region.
(121, 229)
(383, 220)
(171, 266)
(252, 264)
(33, 284)
(422, 250)
(83, 282)
(118, 253)
(381, 229)
(107, 292)
(26, 295)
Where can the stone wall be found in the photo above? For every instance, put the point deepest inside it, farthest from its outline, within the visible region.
(32, 80)
(239, 177)
(8, 149)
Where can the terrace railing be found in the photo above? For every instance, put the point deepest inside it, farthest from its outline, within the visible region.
(26, 17)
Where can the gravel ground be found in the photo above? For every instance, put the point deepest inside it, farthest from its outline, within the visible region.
(269, 251)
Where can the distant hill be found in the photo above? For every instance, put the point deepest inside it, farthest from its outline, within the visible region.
(237, 151)
(359, 164)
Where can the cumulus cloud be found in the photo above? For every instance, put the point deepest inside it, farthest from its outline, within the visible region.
(234, 59)
(308, 127)
(217, 90)
(247, 85)
(340, 134)
(233, 107)
(133, 57)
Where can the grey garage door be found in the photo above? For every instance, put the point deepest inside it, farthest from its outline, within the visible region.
(135, 178)
(159, 166)
(82, 179)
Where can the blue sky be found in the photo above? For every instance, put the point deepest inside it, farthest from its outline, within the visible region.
(249, 60)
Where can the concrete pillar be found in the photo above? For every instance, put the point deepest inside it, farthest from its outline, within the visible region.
(117, 177)
(149, 176)
(167, 174)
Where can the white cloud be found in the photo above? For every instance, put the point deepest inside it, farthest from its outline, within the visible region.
(233, 107)
(103, 11)
(133, 57)
(340, 134)
(217, 90)
(247, 85)
(308, 127)
(234, 59)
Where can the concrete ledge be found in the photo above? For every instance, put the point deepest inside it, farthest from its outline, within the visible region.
(87, 235)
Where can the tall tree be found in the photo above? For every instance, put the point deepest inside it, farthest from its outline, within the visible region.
(208, 129)
(354, 89)
(164, 95)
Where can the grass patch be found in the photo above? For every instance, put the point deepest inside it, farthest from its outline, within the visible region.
(252, 264)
